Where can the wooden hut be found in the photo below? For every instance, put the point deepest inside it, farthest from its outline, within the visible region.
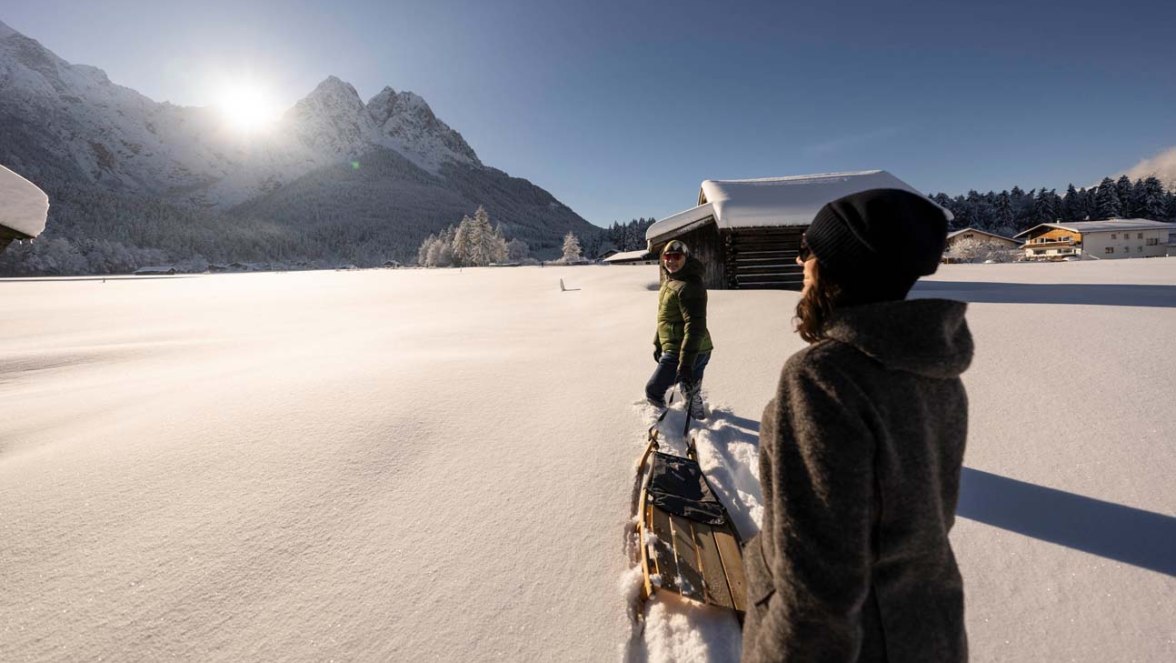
(747, 232)
(23, 208)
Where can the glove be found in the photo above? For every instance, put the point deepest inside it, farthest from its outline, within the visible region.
(686, 373)
(657, 353)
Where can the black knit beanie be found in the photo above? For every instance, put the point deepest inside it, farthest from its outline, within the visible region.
(877, 243)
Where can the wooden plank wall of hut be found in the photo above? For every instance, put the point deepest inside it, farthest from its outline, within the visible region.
(764, 258)
(705, 245)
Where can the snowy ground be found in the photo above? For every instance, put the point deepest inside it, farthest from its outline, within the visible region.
(436, 465)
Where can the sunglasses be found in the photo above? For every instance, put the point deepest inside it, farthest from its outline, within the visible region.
(805, 252)
(671, 256)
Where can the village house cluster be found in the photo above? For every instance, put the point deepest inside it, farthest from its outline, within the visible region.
(747, 232)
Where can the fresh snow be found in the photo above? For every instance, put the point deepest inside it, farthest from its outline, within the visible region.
(773, 201)
(24, 207)
(437, 464)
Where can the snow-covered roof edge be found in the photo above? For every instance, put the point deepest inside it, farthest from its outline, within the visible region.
(1105, 225)
(679, 222)
(773, 201)
(24, 207)
(640, 254)
(977, 230)
(786, 179)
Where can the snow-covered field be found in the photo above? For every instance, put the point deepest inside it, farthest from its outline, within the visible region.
(436, 465)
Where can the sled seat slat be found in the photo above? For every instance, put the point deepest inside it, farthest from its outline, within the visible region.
(665, 561)
(691, 584)
(717, 592)
(733, 567)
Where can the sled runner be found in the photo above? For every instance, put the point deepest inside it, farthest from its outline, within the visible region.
(686, 542)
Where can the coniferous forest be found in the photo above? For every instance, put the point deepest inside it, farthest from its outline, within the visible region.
(1010, 212)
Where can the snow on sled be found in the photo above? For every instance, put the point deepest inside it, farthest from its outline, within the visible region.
(686, 542)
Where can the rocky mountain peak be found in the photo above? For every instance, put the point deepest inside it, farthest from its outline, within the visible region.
(332, 118)
(333, 95)
(408, 125)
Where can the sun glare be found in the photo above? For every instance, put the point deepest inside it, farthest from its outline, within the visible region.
(247, 107)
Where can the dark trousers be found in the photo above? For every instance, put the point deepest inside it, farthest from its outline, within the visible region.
(666, 374)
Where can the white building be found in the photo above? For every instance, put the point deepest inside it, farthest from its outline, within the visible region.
(1112, 238)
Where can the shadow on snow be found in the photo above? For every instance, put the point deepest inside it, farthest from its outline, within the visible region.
(1101, 294)
(1124, 534)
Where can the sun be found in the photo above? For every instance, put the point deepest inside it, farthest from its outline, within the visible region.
(246, 106)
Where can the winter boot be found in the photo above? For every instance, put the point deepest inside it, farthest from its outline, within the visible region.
(693, 393)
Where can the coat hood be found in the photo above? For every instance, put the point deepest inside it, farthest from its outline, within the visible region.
(693, 269)
(923, 336)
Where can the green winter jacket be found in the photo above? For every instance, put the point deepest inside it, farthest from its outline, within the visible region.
(681, 314)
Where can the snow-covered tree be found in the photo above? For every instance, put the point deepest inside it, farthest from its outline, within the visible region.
(973, 249)
(463, 242)
(571, 247)
(1046, 206)
(1106, 201)
(1149, 200)
(440, 253)
(1073, 204)
(1125, 189)
(517, 250)
(423, 252)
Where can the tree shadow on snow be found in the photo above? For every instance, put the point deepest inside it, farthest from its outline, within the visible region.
(1101, 294)
(1124, 534)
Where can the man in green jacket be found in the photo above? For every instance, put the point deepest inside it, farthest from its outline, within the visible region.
(682, 345)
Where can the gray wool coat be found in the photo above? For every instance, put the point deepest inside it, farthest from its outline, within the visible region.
(860, 458)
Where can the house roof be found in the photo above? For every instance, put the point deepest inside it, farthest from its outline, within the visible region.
(970, 229)
(773, 201)
(23, 206)
(1106, 225)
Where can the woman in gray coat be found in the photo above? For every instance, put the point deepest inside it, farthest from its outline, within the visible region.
(861, 450)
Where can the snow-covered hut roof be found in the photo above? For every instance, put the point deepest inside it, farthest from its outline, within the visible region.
(629, 256)
(772, 201)
(23, 206)
(1106, 225)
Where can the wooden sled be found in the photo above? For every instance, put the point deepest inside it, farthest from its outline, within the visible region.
(686, 541)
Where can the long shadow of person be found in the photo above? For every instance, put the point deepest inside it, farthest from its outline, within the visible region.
(1125, 534)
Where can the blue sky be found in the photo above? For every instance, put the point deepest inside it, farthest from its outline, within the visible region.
(621, 109)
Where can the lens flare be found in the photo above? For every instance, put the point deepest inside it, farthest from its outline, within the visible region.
(246, 106)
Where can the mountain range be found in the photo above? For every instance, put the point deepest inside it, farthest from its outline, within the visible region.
(336, 180)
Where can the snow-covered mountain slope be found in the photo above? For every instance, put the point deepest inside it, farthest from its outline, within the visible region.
(69, 125)
(114, 135)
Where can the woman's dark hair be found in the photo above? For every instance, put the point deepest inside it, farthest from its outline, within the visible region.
(832, 290)
(816, 306)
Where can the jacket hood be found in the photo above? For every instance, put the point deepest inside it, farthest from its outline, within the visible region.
(923, 336)
(693, 269)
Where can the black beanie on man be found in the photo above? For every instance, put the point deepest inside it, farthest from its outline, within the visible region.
(877, 243)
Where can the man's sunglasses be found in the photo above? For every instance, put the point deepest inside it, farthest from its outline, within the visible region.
(671, 256)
